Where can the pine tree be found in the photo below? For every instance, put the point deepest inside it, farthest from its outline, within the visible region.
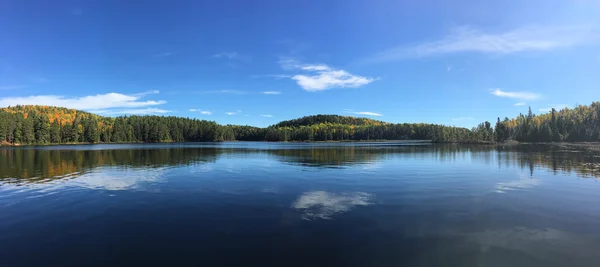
(27, 134)
(42, 132)
(91, 131)
(55, 132)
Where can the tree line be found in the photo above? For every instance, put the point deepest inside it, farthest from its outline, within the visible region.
(580, 124)
(55, 125)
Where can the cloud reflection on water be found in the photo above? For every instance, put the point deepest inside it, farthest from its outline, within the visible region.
(120, 178)
(324, 205)
(524, 182)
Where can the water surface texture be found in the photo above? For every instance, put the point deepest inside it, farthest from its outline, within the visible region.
(291, 204)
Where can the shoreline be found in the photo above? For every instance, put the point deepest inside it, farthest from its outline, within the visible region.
(591, 146)
(232, 141)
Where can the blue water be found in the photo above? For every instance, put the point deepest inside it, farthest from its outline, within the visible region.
(298, 204)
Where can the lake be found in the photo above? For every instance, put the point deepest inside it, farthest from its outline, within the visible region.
(299, 204)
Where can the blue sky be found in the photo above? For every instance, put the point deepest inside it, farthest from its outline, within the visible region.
(260, 62)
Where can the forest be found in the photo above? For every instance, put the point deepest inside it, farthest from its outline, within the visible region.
(40, 125)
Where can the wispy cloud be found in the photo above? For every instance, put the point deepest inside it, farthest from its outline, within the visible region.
(203, 112)
(228, 55)
(295, 47)
(468, 39)
(164, 54)
(233, 112)
(225, 91)
(13, 87)
(239, 92)
(39, 79)
(557, 107)
(520, 104)
(323, 77)
(92, 102)
(272, 93)
(367, 113)
(266, 115)
(145, 111)
(515, 95)
(463, 119)
(274, 76)
(151, 92)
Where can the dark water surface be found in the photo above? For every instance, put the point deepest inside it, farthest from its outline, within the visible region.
(277, 204)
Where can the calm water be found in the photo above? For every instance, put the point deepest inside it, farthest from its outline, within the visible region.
(272, 204)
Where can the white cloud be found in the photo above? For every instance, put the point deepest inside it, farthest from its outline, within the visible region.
(203, 112)
(143, 111)
(368, 113)
(272, 93)
(229, 55)
(323, 77)
(92, 102)
(323, 205)
(463, 119)
(516, 95)
(266, 115)
(520, 104)
(331, 79)
(233, 112)
(468, 39)
(315, 67)
(556, 107)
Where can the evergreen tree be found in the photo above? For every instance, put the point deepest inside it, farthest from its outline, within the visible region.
(42, 130)
(55, 132)
(91, 131)
(27, 131)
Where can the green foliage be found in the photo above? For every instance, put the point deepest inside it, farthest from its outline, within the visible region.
(55, 133)
(581, 124)
(52, 125)
(331, 119)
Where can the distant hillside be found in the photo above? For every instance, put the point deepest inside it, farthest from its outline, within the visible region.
(333, 119)
(55, 125)
(22, 125)
(26, 124)
(59, 114)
